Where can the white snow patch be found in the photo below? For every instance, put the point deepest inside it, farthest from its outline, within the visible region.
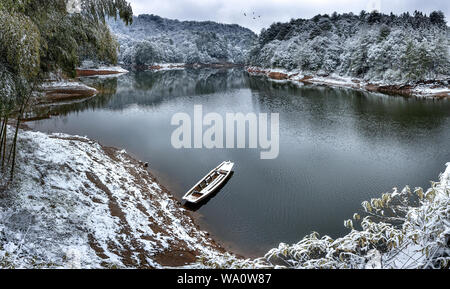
(65, 85)
(169, 66)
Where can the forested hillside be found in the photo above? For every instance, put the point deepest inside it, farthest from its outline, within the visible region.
(152, 39)
(372, 46)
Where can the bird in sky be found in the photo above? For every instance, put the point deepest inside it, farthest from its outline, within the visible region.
(254, 15)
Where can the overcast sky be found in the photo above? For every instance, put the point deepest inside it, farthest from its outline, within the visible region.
(268, 11)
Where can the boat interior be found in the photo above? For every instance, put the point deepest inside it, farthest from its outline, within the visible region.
(208, 183)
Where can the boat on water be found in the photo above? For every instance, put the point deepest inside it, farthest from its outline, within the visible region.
(210, 183)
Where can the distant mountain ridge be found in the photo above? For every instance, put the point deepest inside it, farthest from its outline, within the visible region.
(154, 39)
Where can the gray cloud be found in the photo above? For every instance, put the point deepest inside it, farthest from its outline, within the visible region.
(232, 11)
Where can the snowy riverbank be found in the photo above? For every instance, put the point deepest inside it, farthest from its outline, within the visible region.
(436, 89)
(101, 71)
(64, 90)
(167, 66)
(75, 203)
(60, 89)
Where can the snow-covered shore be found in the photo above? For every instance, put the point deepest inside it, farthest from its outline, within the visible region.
(181, 66)
(167, 66)
(431, 90)
(101, 71)
(60, 89)
(75, 203)
(65, 90)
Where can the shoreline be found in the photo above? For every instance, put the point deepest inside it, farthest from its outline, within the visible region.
(181, 66)
(61, 90)
(424, 89)
(164, 181)
(100, 71)
(117, 199)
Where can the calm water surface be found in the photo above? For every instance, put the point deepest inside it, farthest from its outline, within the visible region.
(338, 147)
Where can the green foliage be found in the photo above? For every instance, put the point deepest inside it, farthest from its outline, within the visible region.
(145, 54)
(37, 37)
(67, 39)
(384, 32)
(14, 5)
(417, 60)
(20, 44)
(98, 10)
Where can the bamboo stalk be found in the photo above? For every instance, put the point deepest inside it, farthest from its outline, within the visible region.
(14, 147)
(4, 142)
(1, 130)
(1, 135)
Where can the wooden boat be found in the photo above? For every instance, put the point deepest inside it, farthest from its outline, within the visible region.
(209, 183)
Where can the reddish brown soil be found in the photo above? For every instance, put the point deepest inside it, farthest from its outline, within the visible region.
(90, 72)
(278, 75)
(306, 79)
(155, 67)
(405, 90)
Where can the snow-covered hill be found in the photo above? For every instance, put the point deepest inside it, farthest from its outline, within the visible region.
(153, 39)
(374, 47)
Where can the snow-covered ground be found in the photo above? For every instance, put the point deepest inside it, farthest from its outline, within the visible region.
(168, 66)
(100, 71)
(75, 203)
(116, 69)
(66, 84)
(430, 90)
(62, 91)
